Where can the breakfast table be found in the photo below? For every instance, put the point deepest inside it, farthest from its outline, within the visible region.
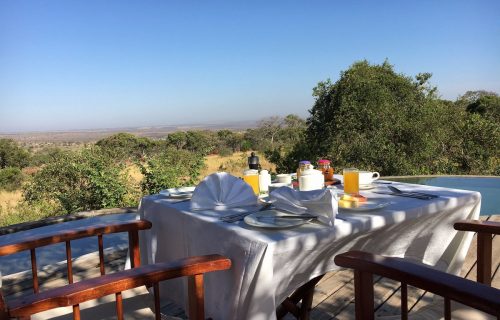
(269, 264)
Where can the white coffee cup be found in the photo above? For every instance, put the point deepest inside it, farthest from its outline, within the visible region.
(284, 178)
(367, 177)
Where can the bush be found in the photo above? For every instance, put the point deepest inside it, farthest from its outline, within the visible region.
(169, 169)
(11, 179)
(79, 181)
(12, 155)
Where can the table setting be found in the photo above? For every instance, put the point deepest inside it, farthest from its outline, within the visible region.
(281, 239)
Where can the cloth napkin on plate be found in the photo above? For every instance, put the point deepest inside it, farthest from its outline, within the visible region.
(322, 203)
(220, 191)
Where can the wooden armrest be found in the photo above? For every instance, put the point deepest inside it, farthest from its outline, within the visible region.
(465, 291)
(72, 234)
(492, 227)
(94, 288)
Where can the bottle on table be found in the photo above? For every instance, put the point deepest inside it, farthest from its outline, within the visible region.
(264, 181)
(253, 161)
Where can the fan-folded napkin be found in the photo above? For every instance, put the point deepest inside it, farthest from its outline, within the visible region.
(220, 191)
(322, 203)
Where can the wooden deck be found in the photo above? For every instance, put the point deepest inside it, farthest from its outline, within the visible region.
(333, 298)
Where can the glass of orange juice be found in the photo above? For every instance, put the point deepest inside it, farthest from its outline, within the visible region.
(351, 181)
(251, 177)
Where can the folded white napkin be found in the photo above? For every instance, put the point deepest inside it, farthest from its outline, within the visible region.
(323, 203)
(221, 191)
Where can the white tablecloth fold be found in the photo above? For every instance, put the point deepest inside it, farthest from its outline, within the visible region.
(323, 203)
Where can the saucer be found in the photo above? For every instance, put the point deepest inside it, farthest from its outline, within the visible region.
(366, 186)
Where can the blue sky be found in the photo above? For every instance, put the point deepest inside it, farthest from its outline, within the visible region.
(99, 64)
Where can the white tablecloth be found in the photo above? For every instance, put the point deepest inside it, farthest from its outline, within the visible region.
(267, 265)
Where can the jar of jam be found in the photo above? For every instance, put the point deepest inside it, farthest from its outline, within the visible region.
(302, 166)
(324, 166)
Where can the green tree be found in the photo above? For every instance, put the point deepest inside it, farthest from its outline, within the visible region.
(125, 146)
(177, 139)
(200, 142)
(169, 169)
(12, 155)
(374, 118)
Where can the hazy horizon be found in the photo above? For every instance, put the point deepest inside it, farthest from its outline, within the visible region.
(89, 65)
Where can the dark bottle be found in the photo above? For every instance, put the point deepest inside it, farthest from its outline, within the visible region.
(253, 161)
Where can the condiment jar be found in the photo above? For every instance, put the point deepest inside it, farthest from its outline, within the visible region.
(302, 167)
(324, 166)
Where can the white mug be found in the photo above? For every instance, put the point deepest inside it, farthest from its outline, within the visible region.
(367, 177)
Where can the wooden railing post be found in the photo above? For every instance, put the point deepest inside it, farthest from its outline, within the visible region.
(101, 254)
(34, 270)
(484, 247)
(363, 295)
(133, 243)
(196, 297)
(3, 307)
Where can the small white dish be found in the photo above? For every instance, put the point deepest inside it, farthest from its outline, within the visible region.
(182, 192)
(270, 219)
(370, 205)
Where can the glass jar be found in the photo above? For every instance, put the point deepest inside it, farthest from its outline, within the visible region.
(302, 166)
(326, 169)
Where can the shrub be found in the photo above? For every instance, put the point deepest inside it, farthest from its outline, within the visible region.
(11, 178)
(79, 181)
(12, 155)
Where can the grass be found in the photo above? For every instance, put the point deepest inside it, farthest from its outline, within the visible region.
(9, 199)
(233, 164)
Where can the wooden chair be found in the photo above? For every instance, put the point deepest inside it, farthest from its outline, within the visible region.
(73, 294)
(477, 295)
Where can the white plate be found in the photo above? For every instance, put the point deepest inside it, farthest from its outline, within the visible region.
(270, 219)
(369, 205)
(182, 192)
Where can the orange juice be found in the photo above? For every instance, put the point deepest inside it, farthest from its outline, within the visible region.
(252, 178)
(351, 181)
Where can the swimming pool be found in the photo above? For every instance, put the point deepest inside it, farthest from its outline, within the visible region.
(489, 187)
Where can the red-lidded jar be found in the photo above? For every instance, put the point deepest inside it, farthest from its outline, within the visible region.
(324, 166)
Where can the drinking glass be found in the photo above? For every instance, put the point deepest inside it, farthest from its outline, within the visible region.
(252, 178)
(351, 181)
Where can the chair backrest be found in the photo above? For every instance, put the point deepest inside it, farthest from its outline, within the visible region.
(96, 229)
(75, 293)
(476, 295)
(148, 275)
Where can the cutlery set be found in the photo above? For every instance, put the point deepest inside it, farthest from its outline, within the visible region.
(409, 194)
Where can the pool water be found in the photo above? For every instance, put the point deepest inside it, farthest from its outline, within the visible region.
(489, 187)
